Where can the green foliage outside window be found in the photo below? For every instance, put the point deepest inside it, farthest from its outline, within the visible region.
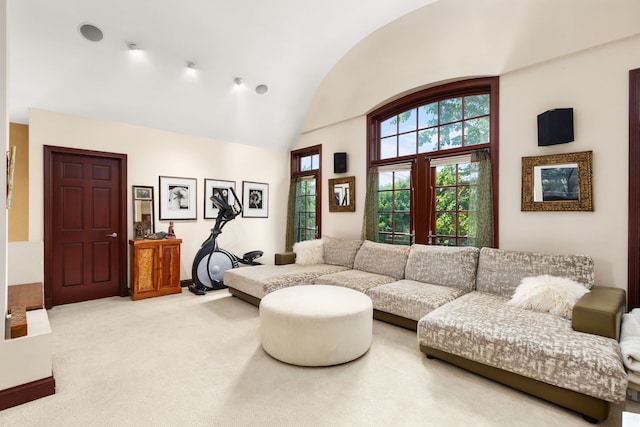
(450, 123)
(454, 189)
(434, 128)
(394, 207)
(306, 210)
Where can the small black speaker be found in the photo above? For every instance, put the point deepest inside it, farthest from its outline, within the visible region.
(555, 127)
(339, 162)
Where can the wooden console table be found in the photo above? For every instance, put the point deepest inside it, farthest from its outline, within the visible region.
(155, 268)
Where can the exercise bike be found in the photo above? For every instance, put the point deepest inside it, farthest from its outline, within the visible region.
(211, 261)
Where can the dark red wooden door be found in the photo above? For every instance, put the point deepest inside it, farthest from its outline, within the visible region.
(86, 205)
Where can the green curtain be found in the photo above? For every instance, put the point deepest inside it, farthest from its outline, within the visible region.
(370, 220)
(290, 237)
(482, 200)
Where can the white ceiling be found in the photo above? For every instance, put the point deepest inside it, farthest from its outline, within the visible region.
(289, 45)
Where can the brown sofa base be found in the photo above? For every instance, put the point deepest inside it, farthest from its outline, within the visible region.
(245, 297)
(395, 320)
(588, 406)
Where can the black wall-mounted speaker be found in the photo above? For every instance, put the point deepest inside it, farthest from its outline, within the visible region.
(555, 127)
(339, 162)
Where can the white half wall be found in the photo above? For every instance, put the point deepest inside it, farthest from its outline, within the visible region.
(4, 143)
(28, 358)
(152, 153)
(25, 262)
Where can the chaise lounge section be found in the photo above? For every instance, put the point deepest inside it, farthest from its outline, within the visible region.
(537, 352)
(252, 284)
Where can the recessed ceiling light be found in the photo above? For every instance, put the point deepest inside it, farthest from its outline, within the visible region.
(260, 89)
(237, 81)
(132, 46)
(91, 32)
(191, 65)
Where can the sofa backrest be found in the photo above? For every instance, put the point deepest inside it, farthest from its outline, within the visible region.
(339, 251)
(443, 265)
(500, 271)
(382, 258)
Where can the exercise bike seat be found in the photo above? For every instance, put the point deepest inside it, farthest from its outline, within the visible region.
(249, 257)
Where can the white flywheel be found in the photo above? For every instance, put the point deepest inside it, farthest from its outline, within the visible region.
(217, 263)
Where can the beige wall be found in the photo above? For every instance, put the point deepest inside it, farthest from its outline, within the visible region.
(593, 81)
(343, 137)
(19, 247)
(456, 39)
(152, 153)
(19, 212)
(596, 84)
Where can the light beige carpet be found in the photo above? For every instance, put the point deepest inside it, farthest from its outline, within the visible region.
(186, 360)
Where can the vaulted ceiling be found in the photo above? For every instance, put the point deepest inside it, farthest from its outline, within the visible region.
(287, 45)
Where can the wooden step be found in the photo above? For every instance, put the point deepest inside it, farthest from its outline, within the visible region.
(18, 321)
(29, 295)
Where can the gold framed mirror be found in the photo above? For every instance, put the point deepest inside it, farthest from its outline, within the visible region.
(143, 217)
(557, 182)
(342, 194)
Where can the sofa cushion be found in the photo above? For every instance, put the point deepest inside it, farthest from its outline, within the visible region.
(339, 251)
(382, 258)
(500, 271)
(353, 279)
(482, 327)
(309, 252)
(550, 294)
(443, 265)
(411, 299)
(259, 280)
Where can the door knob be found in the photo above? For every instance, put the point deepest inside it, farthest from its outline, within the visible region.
(114, 234)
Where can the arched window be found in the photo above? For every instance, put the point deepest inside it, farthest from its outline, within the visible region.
(432, 158)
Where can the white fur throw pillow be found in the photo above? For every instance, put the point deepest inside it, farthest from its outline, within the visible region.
(555, 295)
(309, 252)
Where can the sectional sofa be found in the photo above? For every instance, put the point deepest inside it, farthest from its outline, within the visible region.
(461, 302)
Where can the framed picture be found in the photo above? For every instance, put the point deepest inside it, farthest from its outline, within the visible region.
(342, 194)
(255, 199)
(557, 182)
(142, 193)
(220, 188)
(177, 198)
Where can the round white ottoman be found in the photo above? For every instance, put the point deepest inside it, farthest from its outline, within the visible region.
(316, 325)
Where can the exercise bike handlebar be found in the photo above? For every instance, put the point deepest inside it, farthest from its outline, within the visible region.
(226, 212)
